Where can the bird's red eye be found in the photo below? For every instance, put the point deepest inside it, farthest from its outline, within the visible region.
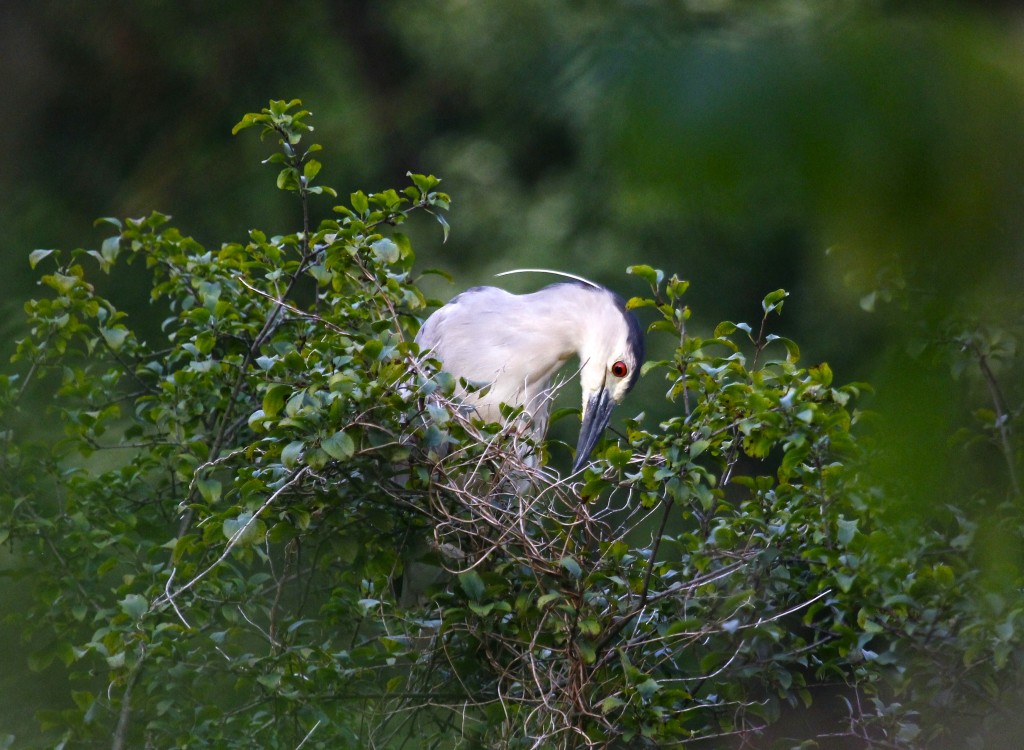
(619, 369)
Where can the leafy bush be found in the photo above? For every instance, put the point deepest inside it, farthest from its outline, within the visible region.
(223, 541)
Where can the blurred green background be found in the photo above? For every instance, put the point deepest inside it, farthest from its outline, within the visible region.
(847, 150)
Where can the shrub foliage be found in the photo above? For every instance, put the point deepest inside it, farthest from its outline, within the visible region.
(269, 525)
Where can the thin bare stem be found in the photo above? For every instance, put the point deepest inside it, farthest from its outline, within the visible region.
(1002, 416)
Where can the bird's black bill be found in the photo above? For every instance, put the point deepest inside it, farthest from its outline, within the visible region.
(595, 418)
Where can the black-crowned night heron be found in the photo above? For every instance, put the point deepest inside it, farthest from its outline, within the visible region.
(511, 345)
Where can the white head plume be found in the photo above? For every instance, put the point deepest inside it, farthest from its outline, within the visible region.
(573, 276)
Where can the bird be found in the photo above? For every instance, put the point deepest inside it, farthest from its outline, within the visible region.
(507, 348)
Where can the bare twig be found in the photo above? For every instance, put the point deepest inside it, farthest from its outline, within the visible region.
(169, 596)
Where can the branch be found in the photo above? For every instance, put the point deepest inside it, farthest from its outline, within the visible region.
(121, 732)
(1002, 415)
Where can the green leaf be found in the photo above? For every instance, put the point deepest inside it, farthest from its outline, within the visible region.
(845, 582)
(114, 337)
(651, 364)
(115, 223)
(246, 122)
(291, 453)
(698, 446)
(571, 566)
(773, 301)
(256, 419)
(37, 255)
(586, 650)
(445, 229)
(792, 350)
(611, 703)
(60, 282)
(635, 303)
(821, 374)
(274, 399)
(727, 328)
(665, 326)
(288, 179)
(472, 584)
(481, 609)
(648, 688)
(270, 681)
(210, 489)
(425, 183)
(360, 202)
(134, 605)
(386, 251)
(677, 288)
(250, 531)
(547, 599)
(311, 169)
(83, 699)
(652, 276)
(110, 248)
(339, 446)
